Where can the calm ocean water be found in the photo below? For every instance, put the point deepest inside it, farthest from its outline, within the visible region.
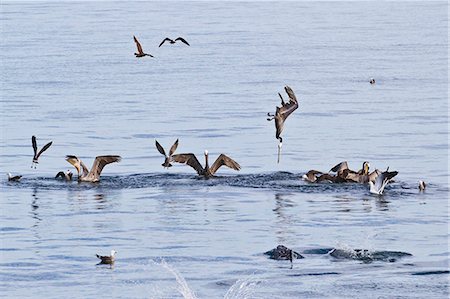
(68, 74)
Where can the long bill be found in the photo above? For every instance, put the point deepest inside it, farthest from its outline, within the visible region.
(279, 152)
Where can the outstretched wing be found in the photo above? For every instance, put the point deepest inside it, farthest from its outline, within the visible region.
(33, 142)
(160, 148)
(100, 162)
(44, 149)
(340, 167)
(60, 175)
(173, 148)
(189, 159)
(139, 47)
(182, 40)
(383, 179)
(224, 160)
(164, 40)
(286, 109)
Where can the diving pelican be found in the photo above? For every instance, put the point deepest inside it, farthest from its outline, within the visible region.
(64, 176)
(191, 160)
(281, 114)
(107, 259)
(163, 152)
(36, 153)
(174, 41)
(140, 52)
(97, 167)
(381, 181)
(14, 178)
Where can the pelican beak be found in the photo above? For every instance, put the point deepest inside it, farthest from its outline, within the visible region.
(279, 151)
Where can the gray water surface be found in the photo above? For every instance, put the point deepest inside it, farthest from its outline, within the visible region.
(69, 75)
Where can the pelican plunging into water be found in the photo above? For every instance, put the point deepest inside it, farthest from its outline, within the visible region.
(36, 153)
(107, 259)
(172, 150)
(84, 175)
(191, 160)
(140, 52)
(381, 181)
(281, 114)
(174, 41)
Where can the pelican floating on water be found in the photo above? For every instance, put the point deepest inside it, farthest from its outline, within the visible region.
(36, 153)
(140, 52)
(174, 41)
(64, 175)
(84, 175)
(381, 181)
(107, 259)
(172, 150)
(191, 160)
(281, 114)
(14, 178)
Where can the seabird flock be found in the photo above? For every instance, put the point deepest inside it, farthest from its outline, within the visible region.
(341, 173)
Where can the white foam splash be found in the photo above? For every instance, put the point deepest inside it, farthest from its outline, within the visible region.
(182, 287)
(242, 289)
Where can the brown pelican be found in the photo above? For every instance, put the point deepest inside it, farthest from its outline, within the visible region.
(140, 52)
(107, 259)
(93, 175)
(422, 185)
(36, 153)
(311, 176)
(191, 160)
(347, 175)
(381, 181)
(64, 176)
(282, 113)
(14, 178)
(163, 152)
(174, 41)
(372, 81)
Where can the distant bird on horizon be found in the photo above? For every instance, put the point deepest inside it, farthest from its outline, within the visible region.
(281, 114)
(172, 150)
(381, 181)
(93, 176)
(36, 153)
(173, 41)
(65, 176)
(107, 259)
(208, 172)
(14, 178)
(140, 52)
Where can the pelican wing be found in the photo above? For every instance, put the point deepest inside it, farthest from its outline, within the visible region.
(77, 163)
(340, 167)
(383, 179)
(290, 93)
(60, 174)
(224, 160)
(139, 47)
(182, 40)
(287, 108)
(100, 162)
(44, 149)
(173, 148)
(164, 40)
(160, 148)
(189, 159)
(34, 143)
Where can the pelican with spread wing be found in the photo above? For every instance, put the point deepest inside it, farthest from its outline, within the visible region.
(140, 52)
(282, 113)
(93, 176)
(208, 172)
(381, 181)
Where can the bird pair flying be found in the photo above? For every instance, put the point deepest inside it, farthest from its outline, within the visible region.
(140, 52)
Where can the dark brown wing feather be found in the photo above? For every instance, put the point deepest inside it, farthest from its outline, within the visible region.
(100, 162)
(339, 167)
(33, 142)
(224, 160)
(139, 47)
(182, 40)
(160, 148)
(173, 148)
(44, 149)
(164, 40)
(189, 159)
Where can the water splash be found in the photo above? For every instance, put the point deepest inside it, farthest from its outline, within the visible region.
(242, 288)
(182, 286)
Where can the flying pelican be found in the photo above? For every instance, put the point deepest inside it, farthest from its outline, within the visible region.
(163, 152)
(140, 52)
(97, 167)
(191, 160)
(64, 176)
(174, 41)
(14, 178)
(381, 181)
(36, 153)
(107, 259)
(422, 185)
(281, 113)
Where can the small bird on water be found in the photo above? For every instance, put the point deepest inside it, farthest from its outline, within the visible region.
(107, 259)
(140, 52)
(171, 41)
(36, 153)
(14, 178)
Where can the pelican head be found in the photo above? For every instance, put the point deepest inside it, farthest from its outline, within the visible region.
(366, 167)
(75, 162)
(206, 152)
